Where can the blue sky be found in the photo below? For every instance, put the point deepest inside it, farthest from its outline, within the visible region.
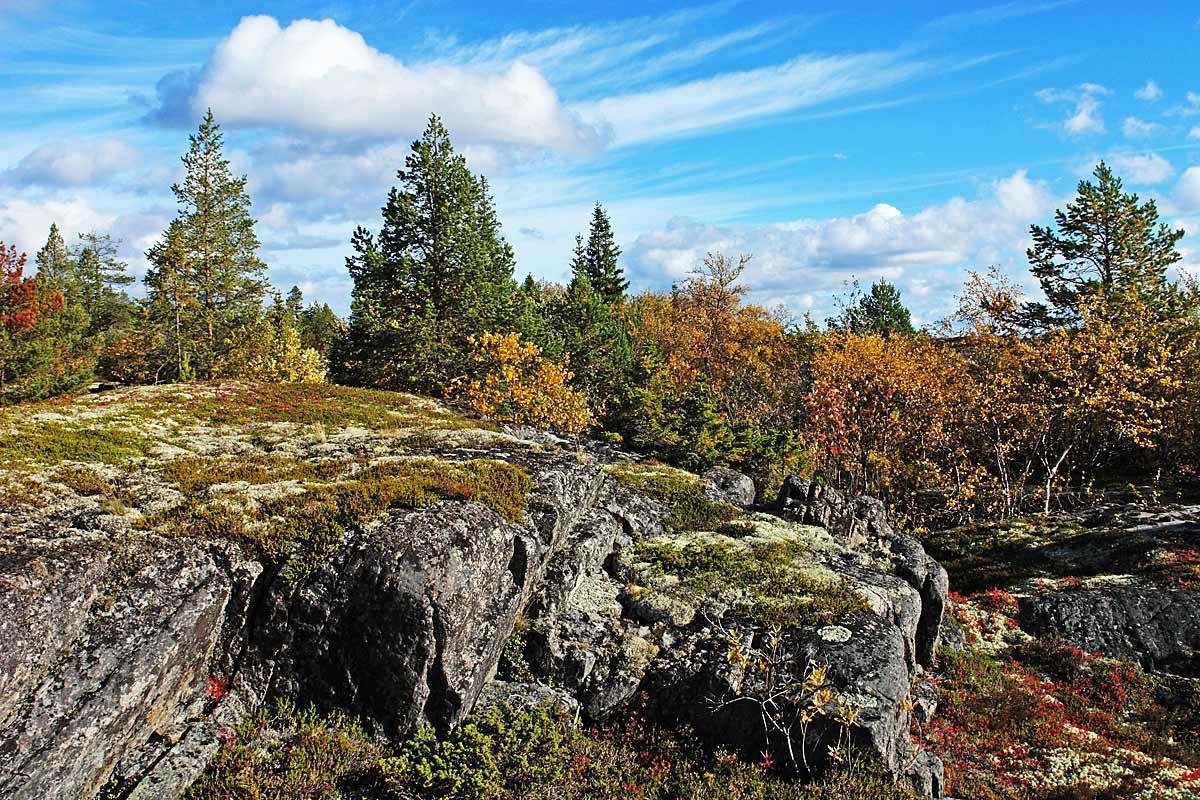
(912, 141)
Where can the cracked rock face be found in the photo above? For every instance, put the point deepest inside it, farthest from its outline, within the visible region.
(106, 647)
(109, 635)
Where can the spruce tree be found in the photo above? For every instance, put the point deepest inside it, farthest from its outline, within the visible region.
(438, 273)
(54, 259)
(1104, 242)
(879, 312)
(598, 259)
(596, 343)
(219, 245)
(172, 308)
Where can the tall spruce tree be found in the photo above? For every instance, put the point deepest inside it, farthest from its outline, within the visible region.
(598, 259)
(438, 273)
(596, 343)
(1105, 241)
(215, 242)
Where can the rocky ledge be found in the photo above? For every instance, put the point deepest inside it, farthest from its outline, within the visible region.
(171, 558)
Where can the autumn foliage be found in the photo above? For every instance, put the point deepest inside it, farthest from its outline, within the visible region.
(512, 381)
(33, 364)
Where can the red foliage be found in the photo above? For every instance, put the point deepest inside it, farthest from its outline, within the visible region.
(21, 305)
(216, 687)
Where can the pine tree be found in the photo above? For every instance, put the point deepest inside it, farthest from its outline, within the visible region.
(1105, 242)
(439, 273)
(215, 233)
(598, 259)
(99, 276)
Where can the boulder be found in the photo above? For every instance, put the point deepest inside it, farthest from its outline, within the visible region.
(724, 485)
(1156, 627)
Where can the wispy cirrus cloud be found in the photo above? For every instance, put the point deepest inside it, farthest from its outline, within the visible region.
(1085, 116)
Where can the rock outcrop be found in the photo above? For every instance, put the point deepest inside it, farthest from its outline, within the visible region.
(125, 651)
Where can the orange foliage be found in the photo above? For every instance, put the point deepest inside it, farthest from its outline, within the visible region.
(887, 413)
(704, 333)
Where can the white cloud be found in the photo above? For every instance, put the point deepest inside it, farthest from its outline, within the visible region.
(1134, 128)
(1190, 108)
(1187, 190)
(925, 252)
(1142, 168)
(1084, 116)
(1150, 92)
(72, 163)
(1195, 133)
(25, 224)
(734, 97)
(319, 77)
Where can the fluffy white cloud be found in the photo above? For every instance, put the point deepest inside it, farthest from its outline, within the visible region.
(1142, 168)
(1150, 92)
(733, 97)
(72, 163)
(925, 253)
(318, 76)
(1134, 128)
(25, 223)
(1194, 133)
(1187, 190)
(1085, 116)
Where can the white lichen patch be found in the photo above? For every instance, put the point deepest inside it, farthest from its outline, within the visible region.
(835, 633)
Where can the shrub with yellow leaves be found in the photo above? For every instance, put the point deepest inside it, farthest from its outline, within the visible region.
(514, 382)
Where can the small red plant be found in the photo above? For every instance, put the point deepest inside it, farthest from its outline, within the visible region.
(216, 687)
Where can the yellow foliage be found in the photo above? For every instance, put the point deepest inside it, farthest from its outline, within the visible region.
(514, 382)
(270, 351)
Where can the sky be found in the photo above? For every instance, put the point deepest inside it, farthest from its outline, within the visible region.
(911, 141)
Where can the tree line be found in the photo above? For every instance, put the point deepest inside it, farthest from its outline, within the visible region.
(1005, 403)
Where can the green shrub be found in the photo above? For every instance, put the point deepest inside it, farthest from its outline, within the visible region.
(285, 754)
(498, 753)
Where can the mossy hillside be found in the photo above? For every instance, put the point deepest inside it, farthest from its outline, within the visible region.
(115, 427)
(313, 505)
(1036, 553)
(284, 469)
(681, 491)
(771, 580)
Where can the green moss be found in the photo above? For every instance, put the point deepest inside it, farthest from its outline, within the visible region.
(46, 442)
(308, 526)
(17, 492)
(197, 473)
(305, 404)
(682, 491)
(771, 587)
(288, 753)
(82, 480)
